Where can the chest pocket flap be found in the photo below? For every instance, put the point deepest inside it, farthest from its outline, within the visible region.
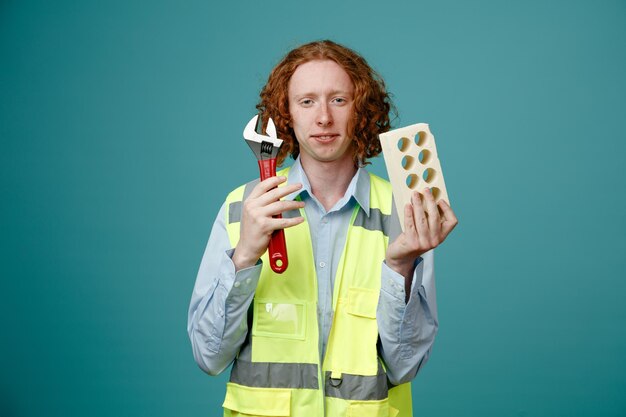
(362, 302)
(252, 401)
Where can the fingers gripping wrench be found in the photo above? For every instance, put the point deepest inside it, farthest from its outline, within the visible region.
(266, 148)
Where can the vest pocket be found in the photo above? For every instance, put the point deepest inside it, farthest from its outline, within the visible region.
(279, 319)
(370, 409)
(250, 401)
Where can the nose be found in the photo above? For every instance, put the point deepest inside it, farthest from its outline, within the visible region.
(324, 116)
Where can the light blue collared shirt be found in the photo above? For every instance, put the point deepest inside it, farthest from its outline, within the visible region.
(217, 321)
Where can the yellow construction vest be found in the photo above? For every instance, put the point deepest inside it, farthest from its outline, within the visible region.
(277, 371)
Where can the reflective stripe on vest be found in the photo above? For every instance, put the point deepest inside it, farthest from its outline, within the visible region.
(275, 375)
(358, 387)
(377, 220)
(304, 376)
(234, 208)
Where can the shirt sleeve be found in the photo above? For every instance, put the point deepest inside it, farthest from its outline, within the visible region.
(407, 329)
(217, 320)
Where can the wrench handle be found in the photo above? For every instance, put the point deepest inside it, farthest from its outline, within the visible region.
(277, 247)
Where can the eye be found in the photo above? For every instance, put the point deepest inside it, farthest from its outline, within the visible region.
(306, 102)
(340, 101)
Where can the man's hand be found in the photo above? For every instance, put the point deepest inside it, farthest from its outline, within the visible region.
(257, 223)
(421, 233)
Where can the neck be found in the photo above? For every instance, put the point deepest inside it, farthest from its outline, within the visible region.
(329, 180)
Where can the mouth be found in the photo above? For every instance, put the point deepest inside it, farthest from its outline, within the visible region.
(326, 137)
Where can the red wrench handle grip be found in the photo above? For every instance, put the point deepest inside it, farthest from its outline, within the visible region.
(277, 248)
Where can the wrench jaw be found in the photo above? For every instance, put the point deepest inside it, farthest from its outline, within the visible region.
(263, 146)
(271, 129)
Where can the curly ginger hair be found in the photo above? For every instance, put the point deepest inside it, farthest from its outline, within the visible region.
(372, 102)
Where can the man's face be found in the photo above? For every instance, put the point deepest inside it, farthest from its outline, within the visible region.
(321, 102)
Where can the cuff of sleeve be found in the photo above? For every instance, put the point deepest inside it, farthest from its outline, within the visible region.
(393, 283)
(416, 284)
(243, 281)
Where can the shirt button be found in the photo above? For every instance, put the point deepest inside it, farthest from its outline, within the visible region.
(237, 284)
(248, 280)
(322, 264)
(220, 312)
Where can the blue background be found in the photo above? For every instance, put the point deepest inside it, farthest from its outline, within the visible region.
(120, 128)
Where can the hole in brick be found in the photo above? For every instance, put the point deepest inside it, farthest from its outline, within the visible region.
(403, 144)
(436, 192)
(411, 181)
(424, 156)
(420, 138)
(407, 162)
(429, 175)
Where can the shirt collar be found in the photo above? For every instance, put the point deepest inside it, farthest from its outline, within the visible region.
(359, 186)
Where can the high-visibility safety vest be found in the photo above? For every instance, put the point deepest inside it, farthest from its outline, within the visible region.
(277, 371)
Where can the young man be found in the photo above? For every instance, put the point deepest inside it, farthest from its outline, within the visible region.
(353, 318)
